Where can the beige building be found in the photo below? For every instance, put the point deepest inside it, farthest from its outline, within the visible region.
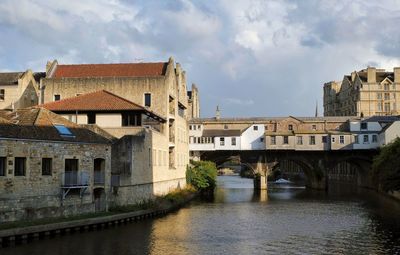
(19, 89)
(160, 88)
(364, 93)
(50, 167)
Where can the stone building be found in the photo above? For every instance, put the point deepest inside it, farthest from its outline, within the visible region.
(19, 89)
(50, 167)
(158, 87)
(364, 93)
(140, 167)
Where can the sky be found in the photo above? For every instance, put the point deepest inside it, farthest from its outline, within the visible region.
(251, 57)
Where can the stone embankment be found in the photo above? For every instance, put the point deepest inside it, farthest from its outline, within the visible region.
(20, 235)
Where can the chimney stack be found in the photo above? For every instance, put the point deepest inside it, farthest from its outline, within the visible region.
(396, 71)
(371, 75)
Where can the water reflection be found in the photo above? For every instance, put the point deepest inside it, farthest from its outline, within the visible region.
(286, 220)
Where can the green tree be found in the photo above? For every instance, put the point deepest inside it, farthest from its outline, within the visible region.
(386, 167)
(202, 175)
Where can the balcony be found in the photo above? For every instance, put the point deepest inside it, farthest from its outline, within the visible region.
(74, 180)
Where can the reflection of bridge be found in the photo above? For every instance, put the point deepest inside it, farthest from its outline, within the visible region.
(316, 165)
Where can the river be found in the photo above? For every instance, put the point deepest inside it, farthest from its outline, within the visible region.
(239, 220)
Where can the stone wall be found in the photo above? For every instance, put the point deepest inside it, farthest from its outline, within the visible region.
(35, 195)
(21, 95)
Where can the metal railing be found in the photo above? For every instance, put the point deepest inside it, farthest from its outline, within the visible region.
(75, 178)
(99, 177)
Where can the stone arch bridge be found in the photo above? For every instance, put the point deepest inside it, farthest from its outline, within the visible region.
(316, 165)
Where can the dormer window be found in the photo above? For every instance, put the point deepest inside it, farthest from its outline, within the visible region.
(290, 127)
(255, 128)
(364, 125)
(63, 130)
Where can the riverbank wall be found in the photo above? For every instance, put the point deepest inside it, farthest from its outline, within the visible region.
(20, 235)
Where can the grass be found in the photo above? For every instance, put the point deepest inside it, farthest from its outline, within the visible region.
(173, 198)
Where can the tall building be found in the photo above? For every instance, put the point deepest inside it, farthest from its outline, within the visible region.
(156, 110)
(364, 93)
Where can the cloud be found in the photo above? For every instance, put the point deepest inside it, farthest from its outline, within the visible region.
(270, 56)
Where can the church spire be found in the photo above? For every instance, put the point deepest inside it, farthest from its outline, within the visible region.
(217, 113)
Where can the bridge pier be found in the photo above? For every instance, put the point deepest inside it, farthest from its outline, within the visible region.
(260, 182)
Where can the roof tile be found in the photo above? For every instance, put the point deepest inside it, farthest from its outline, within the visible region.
(110, 70)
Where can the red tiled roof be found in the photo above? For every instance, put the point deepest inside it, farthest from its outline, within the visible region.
(101, 100)
(110, 70)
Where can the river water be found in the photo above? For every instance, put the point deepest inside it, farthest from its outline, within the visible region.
(239, 220)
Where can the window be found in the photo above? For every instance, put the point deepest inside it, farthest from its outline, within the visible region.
(20, 166)
(386, 86)
(364, 125)
(366, 139)
(300, 140)
(147, 99)
(194, 127)
(255, 128)
(198, 127)
(312, 140)
(379, 95)
(273, 140)
(333, 139)
(387, 96)
(3, 165)
(46, 166)
(285, 139)
(290, 127)
(374, 138)
(341, 139)
(63, 131)
(314, 127)
(225, 126)
(233, 140)
(190, 127)
(261, 139)
(387, 107)
(2, 94)
(380, 106)
(131, 119)
(57, 97)
(324, 139)
(222, 141)
(91, 118)
(356, 139)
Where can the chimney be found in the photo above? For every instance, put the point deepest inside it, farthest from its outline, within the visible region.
(371, 75)
(353, 76)
(217, 113)
(396, 71)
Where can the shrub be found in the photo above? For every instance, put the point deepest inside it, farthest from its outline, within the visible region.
(386, 167)
(202, 175)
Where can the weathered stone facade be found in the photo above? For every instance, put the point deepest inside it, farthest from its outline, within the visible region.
(19, 90)
(365, 93)
(169, 143)
(34, 195)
